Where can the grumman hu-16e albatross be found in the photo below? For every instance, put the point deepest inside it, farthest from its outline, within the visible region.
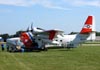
(38, 38)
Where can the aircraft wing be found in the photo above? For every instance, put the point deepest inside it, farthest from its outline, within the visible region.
(49, 34)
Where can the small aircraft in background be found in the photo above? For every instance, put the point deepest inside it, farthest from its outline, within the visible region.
(39, 38)
(14, 44)
(1, 39)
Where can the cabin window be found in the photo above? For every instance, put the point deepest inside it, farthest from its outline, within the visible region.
(60, 40)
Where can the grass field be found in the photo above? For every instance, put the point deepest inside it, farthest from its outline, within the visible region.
(80, 58)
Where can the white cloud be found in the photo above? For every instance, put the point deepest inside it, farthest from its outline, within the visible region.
(43, 3)
(93, 3)
(16, 2)
(83, 2)
(53, 4)
(50, 4)
(58, 7)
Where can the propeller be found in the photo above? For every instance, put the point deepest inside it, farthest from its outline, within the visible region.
(33, 30)
(27, 29)
(32, 27)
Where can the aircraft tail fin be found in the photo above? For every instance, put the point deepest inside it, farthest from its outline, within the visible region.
(89, 26)
(89, 29)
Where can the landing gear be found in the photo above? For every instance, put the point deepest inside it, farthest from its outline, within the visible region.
(44, 48)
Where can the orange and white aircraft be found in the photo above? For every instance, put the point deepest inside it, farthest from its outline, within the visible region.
(39, 38)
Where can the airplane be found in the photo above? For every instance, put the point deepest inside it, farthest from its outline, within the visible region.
(14, 44)
(87, 33)
(1, 39)
(40, 38)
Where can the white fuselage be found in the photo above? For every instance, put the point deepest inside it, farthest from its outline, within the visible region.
(73, 40)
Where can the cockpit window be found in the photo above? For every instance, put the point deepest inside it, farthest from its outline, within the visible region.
(62, 35)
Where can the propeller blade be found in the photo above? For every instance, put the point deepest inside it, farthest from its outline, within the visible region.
(27, 29)
(32, 30)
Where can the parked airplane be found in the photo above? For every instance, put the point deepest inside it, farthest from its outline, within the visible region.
(40, 38)
(1, 39)
(14, 44)
(87, 33)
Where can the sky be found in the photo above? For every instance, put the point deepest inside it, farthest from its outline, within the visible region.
(66, 15)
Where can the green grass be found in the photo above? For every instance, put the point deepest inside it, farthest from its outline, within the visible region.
(92, 42)
(80, 58)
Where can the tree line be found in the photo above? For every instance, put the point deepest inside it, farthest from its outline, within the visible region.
(97, 33)
(17, 34)
(6, 35)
